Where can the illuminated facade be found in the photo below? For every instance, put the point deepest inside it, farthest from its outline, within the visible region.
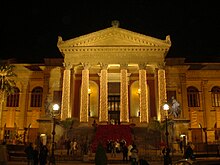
(115, 76)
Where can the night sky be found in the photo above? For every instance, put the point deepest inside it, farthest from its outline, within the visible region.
(29, 31)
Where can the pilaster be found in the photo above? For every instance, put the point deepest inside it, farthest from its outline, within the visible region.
(205, 106)
(185, 112)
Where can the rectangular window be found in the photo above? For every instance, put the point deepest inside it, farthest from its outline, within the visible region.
(13, 100)
(193, 99)
(216, 99)
(36, 100)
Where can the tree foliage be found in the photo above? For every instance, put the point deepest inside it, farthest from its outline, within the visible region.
(6, 78)
(68, 123)
(7, 82)
(155, 125)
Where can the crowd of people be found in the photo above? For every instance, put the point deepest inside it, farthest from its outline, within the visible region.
(71, 146)
(37, 155)
(129, 152)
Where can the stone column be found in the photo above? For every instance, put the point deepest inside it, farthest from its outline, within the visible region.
(144, 109)
(25, 95)
(103, 113)
(66, 111)
(124, 112)
(84, 101)
(162, 95)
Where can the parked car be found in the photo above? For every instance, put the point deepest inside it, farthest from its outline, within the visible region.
(203, 161)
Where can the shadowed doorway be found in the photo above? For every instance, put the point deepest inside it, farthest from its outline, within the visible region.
(114, 102)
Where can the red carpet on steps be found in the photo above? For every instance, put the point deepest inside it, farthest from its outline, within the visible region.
(104, 133)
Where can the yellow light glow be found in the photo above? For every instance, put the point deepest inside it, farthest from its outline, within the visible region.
(56, 107)
(166, 107)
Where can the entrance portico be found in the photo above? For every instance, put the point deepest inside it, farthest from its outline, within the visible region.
(113, 55)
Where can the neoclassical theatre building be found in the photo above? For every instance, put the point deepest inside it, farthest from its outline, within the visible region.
(115, 76)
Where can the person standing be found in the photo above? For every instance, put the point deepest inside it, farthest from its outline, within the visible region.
(125, 152)
(74, 146)
(181, 146)
(134, 155)
(129, 151)
(68, 146)
(43, 155)
(188, 152)
(35, 156)
(30, 154)
(3, 154)
(166, 156)
(113, 149)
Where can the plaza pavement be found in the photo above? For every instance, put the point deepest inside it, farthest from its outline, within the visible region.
(79, 163)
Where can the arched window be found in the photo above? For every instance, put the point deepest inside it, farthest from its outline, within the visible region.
(215, 96)
(13, 99)
(193, 97)
(36, 97)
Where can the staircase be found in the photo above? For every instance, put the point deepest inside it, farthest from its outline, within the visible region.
(104, 133)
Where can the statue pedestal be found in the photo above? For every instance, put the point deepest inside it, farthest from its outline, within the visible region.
(179, 133)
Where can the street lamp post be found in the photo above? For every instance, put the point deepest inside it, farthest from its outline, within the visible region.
(54, 113)
(167, 159)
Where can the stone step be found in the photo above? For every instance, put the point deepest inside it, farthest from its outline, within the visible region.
(117, 156)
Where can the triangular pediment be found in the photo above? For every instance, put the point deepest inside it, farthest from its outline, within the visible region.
(114, 36)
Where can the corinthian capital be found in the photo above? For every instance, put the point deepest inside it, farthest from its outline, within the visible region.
(103, 66)
(86, 65)
(161, 65)
(68, 65)
(142, 65)
(123, 65)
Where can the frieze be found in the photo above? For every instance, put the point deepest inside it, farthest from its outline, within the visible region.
(113, 58)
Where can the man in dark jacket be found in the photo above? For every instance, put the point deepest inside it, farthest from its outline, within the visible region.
(30, 153)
